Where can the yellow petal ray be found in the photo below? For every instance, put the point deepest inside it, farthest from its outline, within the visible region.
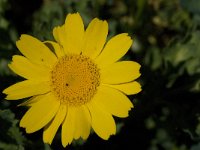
(95, 38)
(56, 33)
(83, 121)
(23, 67)
(115, 49)
(113, 101)
(59, 35)
(120, 72)
(86, 125)
(56, 48)
(74, 31)
(40, 114)
(102, 121)
(26, 88)
(68, 127)
(35, 50)
(127, 88)
(31, 101)
(78, 127)
(51, 129)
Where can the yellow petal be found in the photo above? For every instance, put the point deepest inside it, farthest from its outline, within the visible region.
(59, 35)
(120, 72)
(68, 127)
(26, 88)
(113, 101)
(23, 67)
(31, 101)
(127, 88)
(95, 38)
(35, 50)
(115, 49)
(74, 31)
(78, 127)
(40, 114)
(56, 48)
(102, 121)
(51, 129)
(86, 125)
(83, 121)
(56, 33)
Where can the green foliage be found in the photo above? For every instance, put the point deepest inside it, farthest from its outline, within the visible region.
(166, 43)
(184, 56)
(12, 138)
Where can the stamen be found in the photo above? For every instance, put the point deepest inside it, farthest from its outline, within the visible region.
(74, 79)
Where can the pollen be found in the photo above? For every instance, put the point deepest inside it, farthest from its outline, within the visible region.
(74, 80)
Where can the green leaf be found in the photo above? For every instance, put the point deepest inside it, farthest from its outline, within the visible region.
(12, 137)
(191, 5)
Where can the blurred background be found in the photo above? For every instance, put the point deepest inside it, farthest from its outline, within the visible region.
(166, 37)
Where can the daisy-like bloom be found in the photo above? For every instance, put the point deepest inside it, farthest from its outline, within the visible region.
(76, 82)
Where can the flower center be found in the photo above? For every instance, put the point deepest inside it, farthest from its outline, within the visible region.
(74, 79)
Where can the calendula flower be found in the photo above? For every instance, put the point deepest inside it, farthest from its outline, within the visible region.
(77, 82)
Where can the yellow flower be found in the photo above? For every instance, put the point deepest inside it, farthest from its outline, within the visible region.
(77, 82)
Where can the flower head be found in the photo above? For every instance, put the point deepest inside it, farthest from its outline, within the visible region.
(77, 82)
